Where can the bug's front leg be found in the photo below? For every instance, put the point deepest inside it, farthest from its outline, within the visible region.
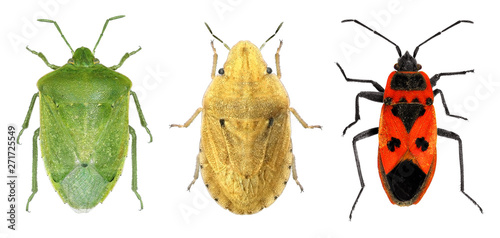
(28, 116)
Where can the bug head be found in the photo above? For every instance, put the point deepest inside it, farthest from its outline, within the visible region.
(407, 63)
(83, 57)
(245, 57)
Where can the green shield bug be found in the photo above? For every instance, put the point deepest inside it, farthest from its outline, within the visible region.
(84, 130)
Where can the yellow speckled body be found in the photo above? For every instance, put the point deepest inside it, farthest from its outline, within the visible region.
(246, 163)
(245, 151)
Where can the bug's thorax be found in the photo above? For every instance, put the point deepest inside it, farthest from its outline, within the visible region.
(83, 57)
(407, 84)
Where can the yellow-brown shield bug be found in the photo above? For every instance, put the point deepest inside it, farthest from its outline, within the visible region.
(245, 150)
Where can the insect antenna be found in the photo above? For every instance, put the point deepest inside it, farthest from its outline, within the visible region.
(104, 28)
(210, 30)
(60, 32)
(375, 32)
(439, 33)
(262, 46)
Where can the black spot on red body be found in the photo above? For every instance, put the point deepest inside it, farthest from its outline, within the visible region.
(428, 101)
(408, 82)
(408, 113)
(393, 143)
(422, 143)
(388, 101)
(405, 180)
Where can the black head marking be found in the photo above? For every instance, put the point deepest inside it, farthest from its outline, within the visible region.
(415, 100)
(393, 143)
(405, 180)
(84, 165)
(407, 63)
(403, 99)
(422, 143)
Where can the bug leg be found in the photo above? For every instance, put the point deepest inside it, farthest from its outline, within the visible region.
(294, 174)
(214, 65)
(360, 136)
(373, 96)
(375, 84)
(28, 116)
(436, 77)
(304, 124)
(453, 135)
(134, 163)
(34, 180)
(125, 57)
(436, 92)
(196, 171)
(39, 54)
(141, 116)
(277, 56)
(190, 120)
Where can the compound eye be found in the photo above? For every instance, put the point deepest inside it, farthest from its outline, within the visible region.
(419, 67)
(269, 70)
(221, 71)
(96, 61)
(71, 61)
(396, 66)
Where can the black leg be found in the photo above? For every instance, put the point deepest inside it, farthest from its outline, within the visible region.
(375, 84)
(436, 92)
(453, 135)
(373, 96)
(360, 136)
(436, 77)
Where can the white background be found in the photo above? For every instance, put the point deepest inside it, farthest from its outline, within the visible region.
(176, 45)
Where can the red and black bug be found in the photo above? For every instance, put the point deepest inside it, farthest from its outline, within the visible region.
(407, 130)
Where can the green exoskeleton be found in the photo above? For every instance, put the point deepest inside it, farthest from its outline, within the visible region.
(84, 129)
